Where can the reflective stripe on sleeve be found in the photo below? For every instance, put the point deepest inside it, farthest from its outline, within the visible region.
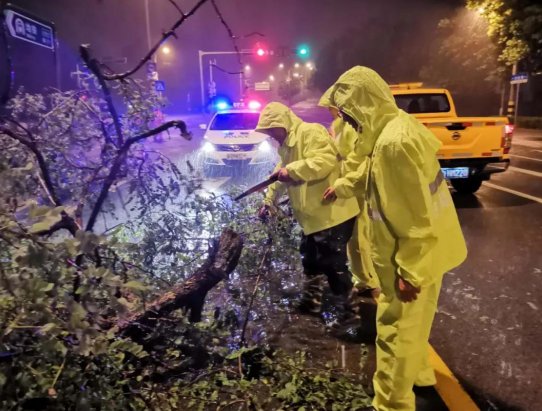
(433, 187)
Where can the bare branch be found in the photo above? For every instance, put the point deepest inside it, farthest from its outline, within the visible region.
(165, 36)
(181, 125)
(32, 146)
(226, 71)
(121, 154)
(94, 66)
(68, 222)
(228, 29)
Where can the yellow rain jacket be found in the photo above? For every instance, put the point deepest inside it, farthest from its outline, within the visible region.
(359, 255)
(311, 160)
(415, 225)
(414, 230)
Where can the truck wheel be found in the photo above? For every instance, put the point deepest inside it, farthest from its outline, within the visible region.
(466, 185)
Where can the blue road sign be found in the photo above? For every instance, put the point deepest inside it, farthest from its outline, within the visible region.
(160, 85)
(519, 78)
(27, 29)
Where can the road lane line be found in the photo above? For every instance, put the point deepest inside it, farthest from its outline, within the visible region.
(448, 387)
(528, 143)
(510, 191)
(526, 158)
(525, 171)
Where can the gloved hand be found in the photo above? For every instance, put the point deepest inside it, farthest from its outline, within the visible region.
(283, 176)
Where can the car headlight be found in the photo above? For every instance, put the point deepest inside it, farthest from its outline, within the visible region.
(208, 147)
(264, 147)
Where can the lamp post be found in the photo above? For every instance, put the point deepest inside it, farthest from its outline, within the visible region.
(202, 53)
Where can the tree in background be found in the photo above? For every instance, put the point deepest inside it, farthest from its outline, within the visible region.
(388, 49)
(464, 60)
(515, 26)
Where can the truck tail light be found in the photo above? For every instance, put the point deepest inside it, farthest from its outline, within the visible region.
(506, 141)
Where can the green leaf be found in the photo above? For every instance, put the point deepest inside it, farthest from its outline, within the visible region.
(47, 327)
(45, 224)
(135, 285)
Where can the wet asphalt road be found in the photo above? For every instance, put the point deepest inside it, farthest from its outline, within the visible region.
(488, 329)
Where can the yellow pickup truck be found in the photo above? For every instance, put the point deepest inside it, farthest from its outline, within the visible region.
(473, 148)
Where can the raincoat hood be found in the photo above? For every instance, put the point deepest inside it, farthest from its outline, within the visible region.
(325, 100)
(362, 94)
(278, 115)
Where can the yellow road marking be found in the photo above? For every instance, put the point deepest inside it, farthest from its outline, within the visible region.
(510, 191)
(448, 387)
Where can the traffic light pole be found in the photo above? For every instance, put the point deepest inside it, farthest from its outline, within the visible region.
(202, 53)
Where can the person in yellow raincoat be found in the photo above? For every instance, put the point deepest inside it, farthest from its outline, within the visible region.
(345, 138)
(414, 230)
(362, 326)
(308, 165)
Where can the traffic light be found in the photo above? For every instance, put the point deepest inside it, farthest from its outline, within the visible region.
(303, 51)
(260, 50)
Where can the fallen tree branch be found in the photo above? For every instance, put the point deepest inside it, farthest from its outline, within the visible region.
(94, 66)
(190, 295)
(67, 221)
(112, 176)
(264, 262)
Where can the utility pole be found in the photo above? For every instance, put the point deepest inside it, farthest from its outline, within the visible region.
(511, 112)
(148, 26)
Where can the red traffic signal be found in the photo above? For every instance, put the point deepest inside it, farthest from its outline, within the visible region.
(260, 50)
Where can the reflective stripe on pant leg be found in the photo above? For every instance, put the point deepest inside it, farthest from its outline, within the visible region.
(401, 344)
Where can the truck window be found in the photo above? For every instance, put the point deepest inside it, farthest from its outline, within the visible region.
(235, 121)
(423, 103)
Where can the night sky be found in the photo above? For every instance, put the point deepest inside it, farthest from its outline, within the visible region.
(116, 29)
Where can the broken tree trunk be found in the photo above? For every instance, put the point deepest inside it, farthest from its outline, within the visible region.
(190, 295)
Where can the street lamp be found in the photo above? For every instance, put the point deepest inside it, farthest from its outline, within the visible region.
(296, 65)
(247, 68)
(309, 65)
(281, 66)
(166, 50)
(271, 78)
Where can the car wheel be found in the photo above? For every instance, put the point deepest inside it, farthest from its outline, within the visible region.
(466, 185)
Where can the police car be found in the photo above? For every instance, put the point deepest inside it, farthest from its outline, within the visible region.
(230, 139)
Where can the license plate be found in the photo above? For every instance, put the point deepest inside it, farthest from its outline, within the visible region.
(456, 172)
(236, 156)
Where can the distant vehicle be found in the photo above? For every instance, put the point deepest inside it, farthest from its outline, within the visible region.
(230, 140)
(473, 147)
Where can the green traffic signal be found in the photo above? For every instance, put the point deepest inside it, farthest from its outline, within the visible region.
(303, 51)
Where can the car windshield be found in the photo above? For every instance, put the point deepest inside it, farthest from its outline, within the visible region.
(423, 103)
(235, 121)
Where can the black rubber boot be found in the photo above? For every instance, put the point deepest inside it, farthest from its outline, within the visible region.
(311, 299)
(360, 327)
